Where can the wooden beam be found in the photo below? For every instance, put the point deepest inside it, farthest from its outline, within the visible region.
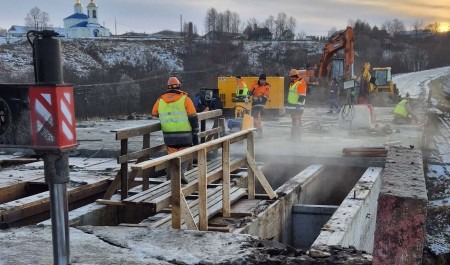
(139, 154)
(113, 187)
(174, 170)
(187, 215)
(250, 173)
(188, 151)
(226, 179)
(209, 132)
(202, 190)
(136, 131)
(123, 170)
(262, 179)
(209, 114)
(109, 202)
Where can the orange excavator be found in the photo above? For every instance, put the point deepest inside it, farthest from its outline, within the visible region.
(331, 66)
(338, 41)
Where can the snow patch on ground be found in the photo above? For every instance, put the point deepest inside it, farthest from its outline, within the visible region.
(416, 83)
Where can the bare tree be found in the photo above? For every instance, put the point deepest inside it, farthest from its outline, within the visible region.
(270, 24)
(211, 20)
(301, 35)
(235, 22)
(3, 31)
(291, 24)
(393, 27)
(37, 19)
(280, 24)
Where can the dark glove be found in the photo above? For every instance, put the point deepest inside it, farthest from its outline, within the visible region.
(194, 139)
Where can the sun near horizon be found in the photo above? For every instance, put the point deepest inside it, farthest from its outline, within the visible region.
(444, 27)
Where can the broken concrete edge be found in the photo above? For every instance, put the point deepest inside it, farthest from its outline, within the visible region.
(353, 223)
(276, 221)
(402, 209)
(144, 245)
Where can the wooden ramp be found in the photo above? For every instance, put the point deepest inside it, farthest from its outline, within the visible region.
(158, 197)
(214, 207)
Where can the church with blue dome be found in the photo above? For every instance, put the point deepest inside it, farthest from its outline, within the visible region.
(80, 25)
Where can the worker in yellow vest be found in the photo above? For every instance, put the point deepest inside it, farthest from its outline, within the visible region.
(179, 121)
(403, 112)
(296, 102)
(241, 90)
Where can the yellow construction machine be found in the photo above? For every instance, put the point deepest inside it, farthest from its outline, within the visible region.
(378, 82)
(238, 108)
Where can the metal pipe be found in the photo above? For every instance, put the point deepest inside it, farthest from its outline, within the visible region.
(60, 227)
(56, 170)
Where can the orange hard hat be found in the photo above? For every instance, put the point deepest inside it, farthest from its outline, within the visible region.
(293, 72)
(173, 82)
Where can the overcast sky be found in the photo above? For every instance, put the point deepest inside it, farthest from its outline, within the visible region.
(314, 17)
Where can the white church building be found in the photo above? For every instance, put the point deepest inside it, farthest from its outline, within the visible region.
(80, 25)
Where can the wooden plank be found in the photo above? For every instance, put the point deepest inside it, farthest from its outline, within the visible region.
(202, 193)
(187, 151)
(187, 215)
(141, 153)
(136, 131)
(123, 170)
(209, 114)
(15, 191)
(164, 187)
(213, 194)
(174, 167)
(164, 201)
(109, 202)
(209, 132)
(214, 205)
(250, 173)
(262, 179)
(113, 187)
(226, 179)
(223, 229)
(40, 203)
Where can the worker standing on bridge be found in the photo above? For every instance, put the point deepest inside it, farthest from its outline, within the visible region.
(260, 92)
(403, 112)
(296, 102)
(179, 121)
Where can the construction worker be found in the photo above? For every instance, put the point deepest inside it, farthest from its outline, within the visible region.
(241, 90)
(200, 102)
(333, 99)
(403, 112)
(179, 122)
(260, 92)
(296, 102)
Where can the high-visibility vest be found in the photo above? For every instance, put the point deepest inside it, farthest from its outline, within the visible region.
(241, 89)
(293, 95)
(173, 116)
(400, 109)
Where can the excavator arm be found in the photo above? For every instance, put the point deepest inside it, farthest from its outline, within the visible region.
(341, 40)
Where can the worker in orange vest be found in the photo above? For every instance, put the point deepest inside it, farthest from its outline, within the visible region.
(260, 91)
(179, 121)
(296, 102)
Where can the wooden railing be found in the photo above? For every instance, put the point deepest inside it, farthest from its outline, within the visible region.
(142, 155)
(180, 208)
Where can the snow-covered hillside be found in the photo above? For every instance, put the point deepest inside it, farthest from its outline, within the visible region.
(416, 83)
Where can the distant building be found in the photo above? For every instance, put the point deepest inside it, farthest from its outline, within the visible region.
(21, 31)
(80, 25)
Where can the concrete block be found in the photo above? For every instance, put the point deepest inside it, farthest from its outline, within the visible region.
(402, 209)
(363, 116)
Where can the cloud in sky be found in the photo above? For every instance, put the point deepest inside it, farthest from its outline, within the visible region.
(313, 17)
